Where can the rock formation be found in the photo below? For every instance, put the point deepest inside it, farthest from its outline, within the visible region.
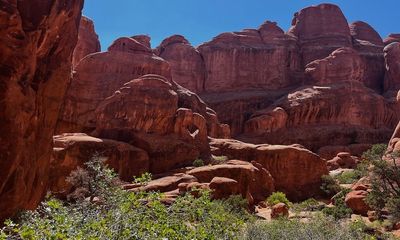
(88, 41)
(238, 60)
(249, 74)
(186, 62)
(392, 60)
(99, 75)
(36, 49)
(324, 84)
(74, 150)
(282, 162)
(394, 37)
(320, 30)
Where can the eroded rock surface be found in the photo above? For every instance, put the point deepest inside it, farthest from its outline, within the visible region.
(36, 49)
(88, 41)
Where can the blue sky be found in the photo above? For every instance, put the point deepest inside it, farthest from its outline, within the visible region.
(200, 20)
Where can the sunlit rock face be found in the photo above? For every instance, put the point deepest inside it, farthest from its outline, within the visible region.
(255, 78)
(88, 41)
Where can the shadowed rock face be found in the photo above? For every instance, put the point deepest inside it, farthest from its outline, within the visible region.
(392, 60)
(88, 41)
(369, 46)
(37, 39)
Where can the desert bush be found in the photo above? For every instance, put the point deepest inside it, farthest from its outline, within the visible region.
(385, 182)
(198, 162)
(308, 205)
(218, 160)
(143, 179)
(348, 177)
(319, 227)
(278, 197)
(112, 213)
(329, 185)
(340, 209)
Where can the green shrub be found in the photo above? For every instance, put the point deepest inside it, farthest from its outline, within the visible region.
(318, 228)
(309, 205)
(198, 162)
(113, 213)
(348, 177)
(329, 185)
(143, 179)
(218, 160)
(385, 182)
(278, 197)
(340, 209)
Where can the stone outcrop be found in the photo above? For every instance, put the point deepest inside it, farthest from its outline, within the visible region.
(99, 75)
(392, 60)
(362, 31)
(320, 30)
(238, 60)
(253, 181)
(355, 199)
(343, 64)
(74, 150)
(394, 37)
(328, 115)
(36, 49)
(369, 45)
(88, 41)
(187, 66)
(146, 113)
(282, 162)
(342, 160)
(250, 180)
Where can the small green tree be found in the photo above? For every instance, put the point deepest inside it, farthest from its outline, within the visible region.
(278, 197)
(385, 181)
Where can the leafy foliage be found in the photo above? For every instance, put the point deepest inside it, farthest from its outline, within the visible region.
(348, 177)
(320, 227)
(143, 179)
(385, 181)
(329, 185)
(108, 212)
(340, 209)
(278, 197)
(218, 160)
(198, 162)
(308, 205)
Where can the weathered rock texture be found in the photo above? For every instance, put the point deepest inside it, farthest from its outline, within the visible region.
(74, 150)
(320, 30)
(282, 162)
(99, 75)
(265, 58)
(88, 41)
(255, 79)
(394, 37)
(331, 115)
(186, 62)
(392, 59)
(234, 177)
(37, 38)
